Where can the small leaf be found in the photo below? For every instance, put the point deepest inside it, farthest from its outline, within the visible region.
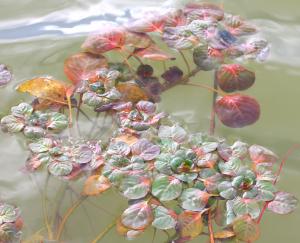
(60, 168)
(40, 146)
(266, 191)
(5, 75)
(246, 229)
(12, 124)
(22, 110)
(173, 75)
(145, 71)
(164, 219)
(135, 186)
(234, 77)
(166, 188)
(95, 185)
(194, 199)
(145, 149)
(190, 224)
(177, 133)
(138, 216)
(146, 107)
(57, 121)
(83, 154)
(237, 110)
(243, 206)
(152, 23)
(283, 203)
(8, 213)
(153, 53)
(207, 58)
(119, 148)
(259, 154)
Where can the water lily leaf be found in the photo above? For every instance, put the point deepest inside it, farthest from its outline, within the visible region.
(266, 191)
(119, 148)
(166, 188)
(283, 203)
(190, 224)
(194, 199)
(154, 53)
(164, 218)
(131, 92)
(12, 124)
(8, 213)
(225, 234)
(60, 168)
(246, 229)
(107, 39)
(57, 121)
(22, 110)
(259, 154)
(138, 216)
(237, 110)
(177, 133)
(234, 77)
(40, 146)
(152, 23)
(135, 186)
(145, 149)
(204, 11)
(84, 66)
(95, 185)
(5, 75)
(243, 206)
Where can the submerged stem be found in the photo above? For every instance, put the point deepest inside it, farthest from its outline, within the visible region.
(104, 232)
(213, 114)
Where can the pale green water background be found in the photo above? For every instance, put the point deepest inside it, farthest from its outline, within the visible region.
(35, 38)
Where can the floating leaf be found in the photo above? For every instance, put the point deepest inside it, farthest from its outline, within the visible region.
(12, 124)
(152, 23)
(259, 154)
(5, 75)
(194, 199)
(130, 234)
(83, 154)
(131, 92)
(231, 167)
(153, 53)
(283, 203)
(138, 216)
(166, 188)
(119, 147)
(135, 186)
(22, 110)
(237, 110)
(95, 185)
(84, 66)
(42, 145)
(145, 149)
(57, 121)
(246, 229)
(164, 218)
(243, 206)
(146, 107)
(266, 191)
(60, 168)
(234, 77)
(8, 213)
(177, 133)
(190, 224)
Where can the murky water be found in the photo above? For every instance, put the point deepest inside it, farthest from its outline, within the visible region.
(35, 38)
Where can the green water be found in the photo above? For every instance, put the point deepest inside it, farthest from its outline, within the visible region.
(35, 38)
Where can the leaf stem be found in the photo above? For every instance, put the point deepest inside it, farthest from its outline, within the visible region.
(210, 228)
(207, 87)
(104, 232)
(185, 61)
(213, 114)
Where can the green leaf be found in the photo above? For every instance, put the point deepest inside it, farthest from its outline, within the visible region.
(190, 224)
(12, 124)
(8, 213)
(176, 133)
(243, 206)
(166, 188)
(194, 199)
(57, 121)
(226, 190)
(284, 203)
(164, 219)
(82, 154)
(60, 168)
(119, 148)
(135, 186)
(162, 163)
(231, 167)
(186, 177)
(40, 146)
(137, 216)
(34, 132)
(92, 99)
(266, 191)
(246, 229)
(22, 110)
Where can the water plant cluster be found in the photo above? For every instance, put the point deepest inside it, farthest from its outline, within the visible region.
(185, 184)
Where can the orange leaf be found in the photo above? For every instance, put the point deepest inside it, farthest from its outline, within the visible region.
(225, 234)
(154, 53)
(96, 184)
(127, 138)
(132, 92)
(190, 224)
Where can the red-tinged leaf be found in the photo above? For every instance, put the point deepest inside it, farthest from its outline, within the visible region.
(246, 229)
(190, 224)
(175, 18)
(127, 232)
(145, 149)
(152, 23)
(234, 77)
(84, 66)
(137, 40)
(237, 110)
(105, 40)
(153, 53)
(95, 185)
(5, 75)
(204, 11)
(237, 26)
(259, 154)
(284, 203)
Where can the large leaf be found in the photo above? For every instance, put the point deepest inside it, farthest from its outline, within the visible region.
(138, 216)
(246, 229)
(145, 149)
(164, 218)
(190, 224)
(12, 124)
(284, 203)
(135, 186)
(166, 188)
(243, 206)
(5, 75)
(194, 199)
(237, 110)
(84, 66)
(234, 77)
(95, 185)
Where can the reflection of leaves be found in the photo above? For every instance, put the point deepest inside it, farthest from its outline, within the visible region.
(283, 203)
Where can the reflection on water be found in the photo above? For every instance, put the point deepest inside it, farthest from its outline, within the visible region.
(37, 36)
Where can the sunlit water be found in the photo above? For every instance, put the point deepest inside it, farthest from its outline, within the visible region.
(35, 38)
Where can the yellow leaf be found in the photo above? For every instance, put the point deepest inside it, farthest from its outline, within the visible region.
(225, 234)
(132, 92)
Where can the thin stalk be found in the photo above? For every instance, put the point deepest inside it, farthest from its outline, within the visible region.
(208, 88)
(283, 161)
(213, 113)
(186, 62)
(154, 234)
(104, 232)
(67, 216)
(127, 63)
(45, 209)
(210, 228)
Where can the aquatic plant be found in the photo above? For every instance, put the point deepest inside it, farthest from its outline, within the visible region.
(175, 181)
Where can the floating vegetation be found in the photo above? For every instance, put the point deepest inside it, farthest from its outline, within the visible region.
(175, 181)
